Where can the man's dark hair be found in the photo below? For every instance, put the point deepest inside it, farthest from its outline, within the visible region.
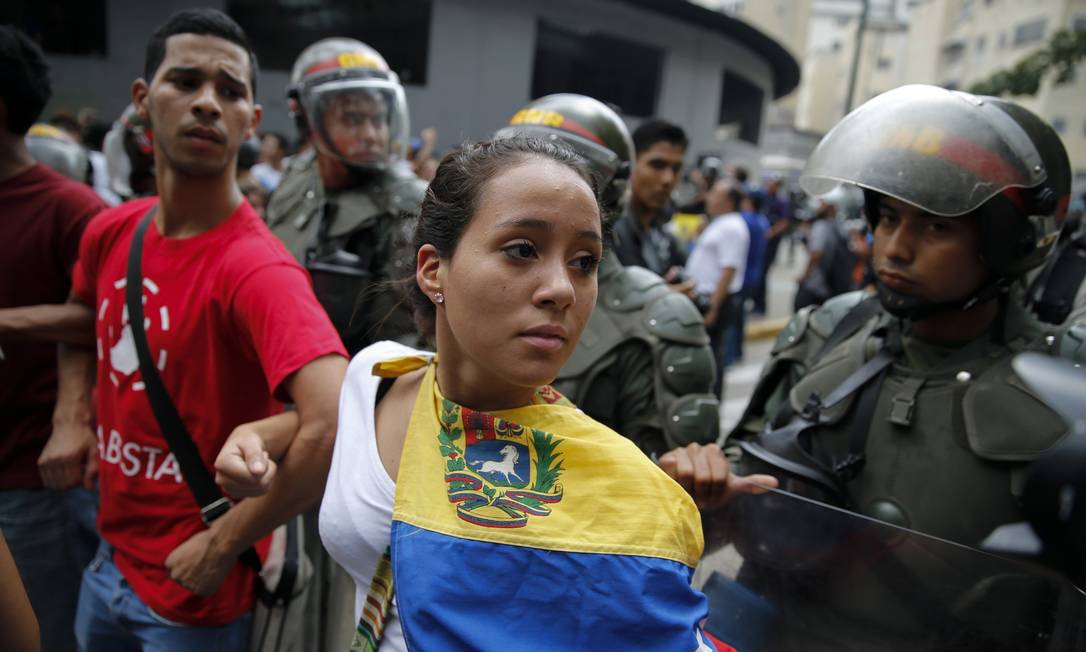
(66, 121)
(24, 79)
(202, 22)
(735, 196)
(248, 155)
(655, 131)
(741, 174)
(284, 144)
(94, 135)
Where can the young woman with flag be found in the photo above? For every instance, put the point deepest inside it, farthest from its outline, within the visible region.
(474, 506)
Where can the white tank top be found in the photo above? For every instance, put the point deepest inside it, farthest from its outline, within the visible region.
(356, 512)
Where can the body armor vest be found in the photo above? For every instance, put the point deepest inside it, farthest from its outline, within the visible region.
(347, 240)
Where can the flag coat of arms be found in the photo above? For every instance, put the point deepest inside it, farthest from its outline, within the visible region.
(538, 529)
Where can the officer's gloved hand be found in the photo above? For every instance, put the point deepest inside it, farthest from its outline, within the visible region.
(706, 475)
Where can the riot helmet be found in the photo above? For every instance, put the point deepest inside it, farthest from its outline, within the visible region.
(344, 96)
(590, 127)
(711, 169)
(846, 201)
(56, 149)
(130, 155)
(953, 154)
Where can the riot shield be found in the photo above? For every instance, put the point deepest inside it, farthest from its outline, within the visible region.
(786, 573)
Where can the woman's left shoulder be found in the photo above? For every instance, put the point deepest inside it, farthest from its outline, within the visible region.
(363, 362)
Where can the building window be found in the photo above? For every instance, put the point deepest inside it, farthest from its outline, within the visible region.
(281, 29)
(1059, 124)
(1029, 32)
(884, 63)
(981, 42)
(1002, 40)
(741, 104)
(74, 27)
(1078, 23)
(609, 68)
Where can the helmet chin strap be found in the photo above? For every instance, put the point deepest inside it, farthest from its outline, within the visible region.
(361, 175)
(906, 306)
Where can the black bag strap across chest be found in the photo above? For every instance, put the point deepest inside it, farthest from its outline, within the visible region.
(201, 483)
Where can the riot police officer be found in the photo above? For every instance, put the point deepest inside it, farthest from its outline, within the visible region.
(130, 160)
(643, 365)
(342, 207)
(1059, 290)
(905, 407)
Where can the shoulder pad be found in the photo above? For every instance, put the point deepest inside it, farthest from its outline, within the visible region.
(406, 192)
(1071, 342)
(674, 318)
(694, 418)
(686, 369)
(634, 288)
(302, 161)
(825, 318)
(395, 194)
(298, 196)
(1004, 420)
(794, 331)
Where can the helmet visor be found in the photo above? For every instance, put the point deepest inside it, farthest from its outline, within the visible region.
(362, 122)
(942, 151)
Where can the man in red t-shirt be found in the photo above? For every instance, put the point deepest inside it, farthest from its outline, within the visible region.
(233, 328)
(42, 215)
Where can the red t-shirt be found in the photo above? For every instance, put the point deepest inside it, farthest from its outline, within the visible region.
(229, 315)
(43, 214)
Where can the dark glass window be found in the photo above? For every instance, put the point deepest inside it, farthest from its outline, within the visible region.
(608, 68)
(61, 26)
(280, 29)
(741, 104)
(1030, 32)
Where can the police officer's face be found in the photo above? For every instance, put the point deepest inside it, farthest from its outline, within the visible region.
(521, 284)
(199, 104)
(356, 124)
(926, 256)
(656, 173)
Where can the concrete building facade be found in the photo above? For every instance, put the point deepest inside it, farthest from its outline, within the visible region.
(969, 40)
(951, 43)
(481, 59)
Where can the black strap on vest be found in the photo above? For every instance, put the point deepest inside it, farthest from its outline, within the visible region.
(197, 476)
(789, 447)
(1058, 284)
(849, 325)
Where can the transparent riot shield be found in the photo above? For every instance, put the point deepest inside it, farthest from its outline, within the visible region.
(786, 573)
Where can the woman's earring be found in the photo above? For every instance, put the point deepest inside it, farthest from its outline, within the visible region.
(439, 298)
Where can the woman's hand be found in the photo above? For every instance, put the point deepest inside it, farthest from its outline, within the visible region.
(706, 475)
(246, 464)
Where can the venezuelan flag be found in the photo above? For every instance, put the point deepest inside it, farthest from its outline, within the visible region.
(539, 529)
